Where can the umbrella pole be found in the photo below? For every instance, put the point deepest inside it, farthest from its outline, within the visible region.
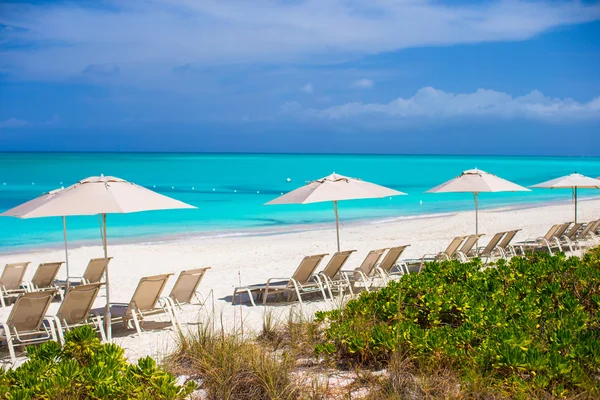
(66, 251)
(575, 190)
(107, 317)
(476, 198)
(337, 224)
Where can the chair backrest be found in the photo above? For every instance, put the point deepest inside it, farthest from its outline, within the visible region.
(75, 307)
(45, 274)
(591, 227)
(552, 231)
(572, 233)
(307, 267)
(368, 265)
(186, 285)
(562, 229)
(95, 269)
(12, 276)
(453, 246)
(469, 243)
(336, 263)
(493, 243)
(148, 292)
(392, 257)
(510, 235)
(29, 311)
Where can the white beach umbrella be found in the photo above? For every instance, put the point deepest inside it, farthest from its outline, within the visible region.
(21, 210)
(477, 181)
(97, 195)
(574, 181)
(335, 188)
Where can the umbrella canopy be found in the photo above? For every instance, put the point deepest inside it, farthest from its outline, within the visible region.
(335, 188)
(574, 181)
(97, 195)
(477, 181)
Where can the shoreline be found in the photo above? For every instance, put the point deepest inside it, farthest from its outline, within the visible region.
(284, 229)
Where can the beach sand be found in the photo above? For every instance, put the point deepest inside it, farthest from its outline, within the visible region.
(254, 259)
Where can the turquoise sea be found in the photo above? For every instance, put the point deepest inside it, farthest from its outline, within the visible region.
(230, 190)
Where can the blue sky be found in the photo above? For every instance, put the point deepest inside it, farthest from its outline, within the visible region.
(366, 76)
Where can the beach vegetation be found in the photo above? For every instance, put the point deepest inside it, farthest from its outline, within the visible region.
(84, 368)
(529, 327)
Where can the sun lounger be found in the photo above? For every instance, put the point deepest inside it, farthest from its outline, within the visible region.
(27, 323)
(549, 241)
(302, 282)
(44, 278)
(489, 251)
(390, 267)
(330, 277)
(75, 310)
(587, 237)
(144, 303)
(365, 273)
(506, 246)
(569, 237)
(94, 273)
(185, 289)
(445, 255)
(466, 249)
(11, 281)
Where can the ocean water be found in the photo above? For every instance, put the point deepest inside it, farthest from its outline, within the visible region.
(230, 190)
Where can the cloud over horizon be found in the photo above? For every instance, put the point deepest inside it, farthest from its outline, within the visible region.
(431, 103)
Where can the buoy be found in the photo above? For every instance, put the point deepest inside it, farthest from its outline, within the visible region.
(289, 179)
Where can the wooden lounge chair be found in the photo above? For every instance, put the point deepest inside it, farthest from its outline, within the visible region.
(27, 323)
(302, 282)
(75, 310)
(11, 281)
(143, 303)
(44, 278)
(390, 267)
(466, 250)
(505, 245)
(330, 277)
(185, 289)
(365, 273)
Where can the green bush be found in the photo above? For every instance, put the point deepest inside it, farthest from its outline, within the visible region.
(530, 325)
(87, 369)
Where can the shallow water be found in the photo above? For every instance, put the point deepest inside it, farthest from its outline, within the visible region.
(230, 189)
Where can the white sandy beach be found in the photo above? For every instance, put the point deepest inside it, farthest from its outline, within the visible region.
(254, 259)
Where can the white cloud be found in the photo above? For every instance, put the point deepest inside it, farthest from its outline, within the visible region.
(13, 123)
(432, 103)
(363, 83)
(20, 123)
(61, 39)
(308, 88)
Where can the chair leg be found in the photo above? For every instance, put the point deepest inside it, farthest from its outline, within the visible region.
(136, 322)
